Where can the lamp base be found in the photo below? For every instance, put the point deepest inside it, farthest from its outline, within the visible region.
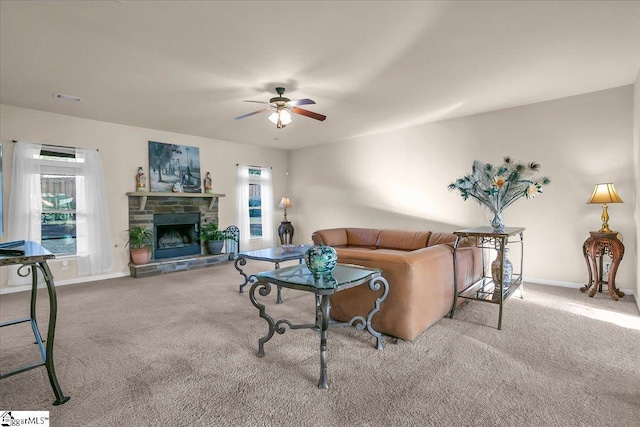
(605, 220)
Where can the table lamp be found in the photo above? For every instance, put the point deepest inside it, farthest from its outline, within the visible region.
(285, 203)
(285, 231)
(604, 194)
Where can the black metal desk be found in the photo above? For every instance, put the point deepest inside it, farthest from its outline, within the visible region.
(35, 258)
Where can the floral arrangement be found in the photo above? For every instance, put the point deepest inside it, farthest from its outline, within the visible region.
(499, 187)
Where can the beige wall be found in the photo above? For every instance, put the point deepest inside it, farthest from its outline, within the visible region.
(123, 149)
(399, 179)
(636, 163)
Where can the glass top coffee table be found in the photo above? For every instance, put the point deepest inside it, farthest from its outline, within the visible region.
(298, 277)
(275, 255)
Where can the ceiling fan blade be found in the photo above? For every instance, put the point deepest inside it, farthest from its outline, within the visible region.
(251, 114)
(308, 113)
(257, 102)
(305, 101)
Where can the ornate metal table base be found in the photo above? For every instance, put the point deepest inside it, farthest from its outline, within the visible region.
(248, 279)
(275, 255)
(594, 249)
(45, 352)
(322, 323)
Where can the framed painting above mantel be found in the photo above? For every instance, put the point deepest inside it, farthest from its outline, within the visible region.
(174, 166)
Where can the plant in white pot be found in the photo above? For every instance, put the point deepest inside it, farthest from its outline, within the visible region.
(213, 238)
(140, 242)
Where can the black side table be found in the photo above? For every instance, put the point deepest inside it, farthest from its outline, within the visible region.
(285, 231)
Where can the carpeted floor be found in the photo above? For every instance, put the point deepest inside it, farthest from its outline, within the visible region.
(180, 349)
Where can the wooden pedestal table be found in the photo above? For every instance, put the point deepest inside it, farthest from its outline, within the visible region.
(594, 249)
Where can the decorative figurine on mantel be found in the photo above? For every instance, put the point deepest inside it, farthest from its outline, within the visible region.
(208, 182)
(141, 180)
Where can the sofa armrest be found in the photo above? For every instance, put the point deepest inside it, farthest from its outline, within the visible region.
(420, 286)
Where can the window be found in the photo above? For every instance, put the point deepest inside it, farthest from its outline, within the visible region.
(254, 207)
(58, 193)
(58, 198)
(255, 204)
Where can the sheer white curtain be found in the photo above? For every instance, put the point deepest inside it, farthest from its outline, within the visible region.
(25, 200)
(242, 206)
(92, 218)
(267, 208)
(25, 205)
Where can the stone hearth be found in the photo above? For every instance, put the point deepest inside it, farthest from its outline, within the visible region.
(170, 265)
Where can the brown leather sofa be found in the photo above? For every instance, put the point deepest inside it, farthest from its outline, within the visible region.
(418, 266)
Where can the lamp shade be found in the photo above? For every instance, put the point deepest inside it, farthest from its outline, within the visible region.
(285, 203)
(604, 193)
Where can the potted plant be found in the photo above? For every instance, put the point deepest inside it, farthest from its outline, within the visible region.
(140, 242)
(212, 237)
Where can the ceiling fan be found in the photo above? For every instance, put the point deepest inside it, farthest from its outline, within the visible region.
(282, 108)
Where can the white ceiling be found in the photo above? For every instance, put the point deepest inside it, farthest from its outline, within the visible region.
(186, 66)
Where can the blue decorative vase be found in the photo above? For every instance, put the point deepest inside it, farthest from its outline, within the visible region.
(321, 259)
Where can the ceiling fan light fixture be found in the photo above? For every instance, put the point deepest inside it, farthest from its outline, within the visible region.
(285, 117)
(282, 109)
(280, 118)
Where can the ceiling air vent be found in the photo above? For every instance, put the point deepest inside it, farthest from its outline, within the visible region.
(67, 97)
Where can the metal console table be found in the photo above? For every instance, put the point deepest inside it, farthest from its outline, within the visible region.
(485, 289)
(299, 277)
(33, 257)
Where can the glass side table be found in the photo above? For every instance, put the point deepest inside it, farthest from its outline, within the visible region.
(487, 289)
(299, 277)
(275, 255)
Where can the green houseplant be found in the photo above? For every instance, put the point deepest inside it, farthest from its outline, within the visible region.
(213, 237)
(140, 242)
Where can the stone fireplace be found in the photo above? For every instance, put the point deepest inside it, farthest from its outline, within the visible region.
(176, 234)
(175, 219)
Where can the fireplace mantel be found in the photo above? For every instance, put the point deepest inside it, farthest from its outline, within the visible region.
(143, 195)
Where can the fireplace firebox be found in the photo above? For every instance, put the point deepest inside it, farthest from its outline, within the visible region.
(176, 234)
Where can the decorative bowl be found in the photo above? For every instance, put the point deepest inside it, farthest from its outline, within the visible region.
(321, 259)
(291, 248)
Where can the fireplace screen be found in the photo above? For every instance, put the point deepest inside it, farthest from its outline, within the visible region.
(176, 235)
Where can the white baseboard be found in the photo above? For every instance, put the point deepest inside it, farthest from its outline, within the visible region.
(567, 285)
(58, 283)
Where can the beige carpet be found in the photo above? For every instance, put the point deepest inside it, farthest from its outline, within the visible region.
(180, 350)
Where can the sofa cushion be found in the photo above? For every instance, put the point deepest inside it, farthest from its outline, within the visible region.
(331, 237)
(365, 237)
(403, 240)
